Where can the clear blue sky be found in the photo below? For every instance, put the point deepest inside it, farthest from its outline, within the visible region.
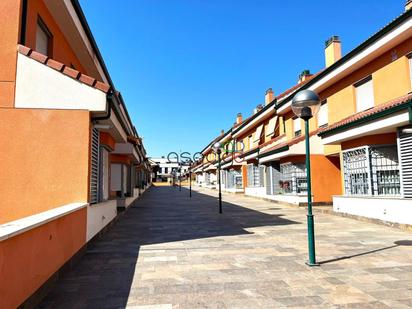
(186, 67)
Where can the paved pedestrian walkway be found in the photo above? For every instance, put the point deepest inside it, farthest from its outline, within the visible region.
(170, 251)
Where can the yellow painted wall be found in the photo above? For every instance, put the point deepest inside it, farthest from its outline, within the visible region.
(341, 104)
(44, 160)
(391, 81)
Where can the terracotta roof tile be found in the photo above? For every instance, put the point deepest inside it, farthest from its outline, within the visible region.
(388, 105)
(102, 86)
(71, 72)
(60, 67)
(24, 50)
(55, 65)
(87, 80)
(38, 57)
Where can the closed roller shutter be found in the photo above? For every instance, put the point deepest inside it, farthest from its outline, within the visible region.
(405, 154)
(94, 170)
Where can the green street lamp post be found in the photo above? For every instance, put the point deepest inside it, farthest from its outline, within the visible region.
(190, 178)
(305, 105)
(217, 149)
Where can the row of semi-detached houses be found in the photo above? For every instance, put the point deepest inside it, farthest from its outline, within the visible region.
(71, 158)
(361, 139)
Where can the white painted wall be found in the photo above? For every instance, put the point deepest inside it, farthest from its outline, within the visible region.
(395, 210)
(38, 86)
(256, 191)
(286, 198)
(98, 216)
(290, 199)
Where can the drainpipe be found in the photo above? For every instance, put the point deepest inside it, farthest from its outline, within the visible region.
(108, 114)
(23, 23)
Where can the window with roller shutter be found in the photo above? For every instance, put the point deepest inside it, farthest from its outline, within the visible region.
(94, 168)
(405, 156)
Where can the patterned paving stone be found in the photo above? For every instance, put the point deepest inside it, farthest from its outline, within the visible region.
(170, 251)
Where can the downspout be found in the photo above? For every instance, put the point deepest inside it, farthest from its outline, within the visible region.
(23, 24)
(109, 112)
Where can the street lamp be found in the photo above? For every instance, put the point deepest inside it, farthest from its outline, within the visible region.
(190, 179)
(305, 105)
(180, 177)
(217, 149)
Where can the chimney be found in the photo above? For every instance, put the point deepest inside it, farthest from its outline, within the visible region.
(239, 118)
(222, 132)
(304, 76)
(269, 96)
(408, 5)
(333, 50)
(257, 109)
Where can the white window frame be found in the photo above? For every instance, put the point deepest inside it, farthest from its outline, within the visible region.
(410, 67)
(297, 126)
(323, 118)
(43, 38)
(365, 98)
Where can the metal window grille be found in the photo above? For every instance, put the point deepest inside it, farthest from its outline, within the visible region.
(254, 175)
(372, 171)
(207, 178)
(293, 178)
(95, 162)
(385, 170)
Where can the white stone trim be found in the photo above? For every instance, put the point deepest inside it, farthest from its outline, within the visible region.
(14, 228)
(390, 209)
(98, 216)
(382, 125)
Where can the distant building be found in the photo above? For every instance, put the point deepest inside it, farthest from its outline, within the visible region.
(165, 170)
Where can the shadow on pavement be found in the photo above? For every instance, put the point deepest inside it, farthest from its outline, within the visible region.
(104, 276)
(396, 244)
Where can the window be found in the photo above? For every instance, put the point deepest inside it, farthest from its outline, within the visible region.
(270, 129)
(105, 171)
(372, 171)
(293, 178)
(364, 94)
(166, 170)
(410, 67)
(258, 135)
(255, 174)
(297, 126)
(323, 115)
(250, 142)
(43, 39)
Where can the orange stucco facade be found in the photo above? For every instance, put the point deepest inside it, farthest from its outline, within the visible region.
(9, 35)
(61, 51)
(390, 76)
(29, 259)
(46, 156)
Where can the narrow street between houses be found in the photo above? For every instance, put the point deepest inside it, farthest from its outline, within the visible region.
(172, 251)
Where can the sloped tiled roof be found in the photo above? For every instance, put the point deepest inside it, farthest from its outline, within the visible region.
(62, 68)
(375, 110)
(291, 142)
